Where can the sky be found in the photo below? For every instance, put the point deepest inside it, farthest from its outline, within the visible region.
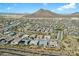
(61, 8)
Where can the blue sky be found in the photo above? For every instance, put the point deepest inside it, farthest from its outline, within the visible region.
(62, 8)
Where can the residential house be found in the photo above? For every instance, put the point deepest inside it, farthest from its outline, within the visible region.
(16, 40)
(3, 41)
(53, 44)
(47, 37)
(39, 36)
(34, 42)
(25, 41)
(43, 43)
(25, 36)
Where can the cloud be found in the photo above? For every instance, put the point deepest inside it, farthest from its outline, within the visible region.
(67, 6)
(53, 10)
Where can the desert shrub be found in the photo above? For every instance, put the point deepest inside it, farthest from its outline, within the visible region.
(77, 54)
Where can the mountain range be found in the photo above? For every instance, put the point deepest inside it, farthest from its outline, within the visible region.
(43, 13)
(47, 13)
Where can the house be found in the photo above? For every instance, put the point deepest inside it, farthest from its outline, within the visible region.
(25, 41)
(47, 37)
(12, 34)
(47, 30)
(53, 44)
(7, 32)
(16, 40)
(38, 29)
(43, 43)
(33, 36)
(75, 33)
(25, 36)
(43, 29)
(34, 42)
(3, 41)
(9, 42)
(39, 36)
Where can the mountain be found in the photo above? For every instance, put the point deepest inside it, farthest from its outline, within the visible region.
(42, 13)
(76, 13)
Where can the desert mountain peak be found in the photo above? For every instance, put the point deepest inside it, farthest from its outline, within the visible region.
(44, 13)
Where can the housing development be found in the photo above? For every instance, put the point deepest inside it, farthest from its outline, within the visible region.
(40, 33)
